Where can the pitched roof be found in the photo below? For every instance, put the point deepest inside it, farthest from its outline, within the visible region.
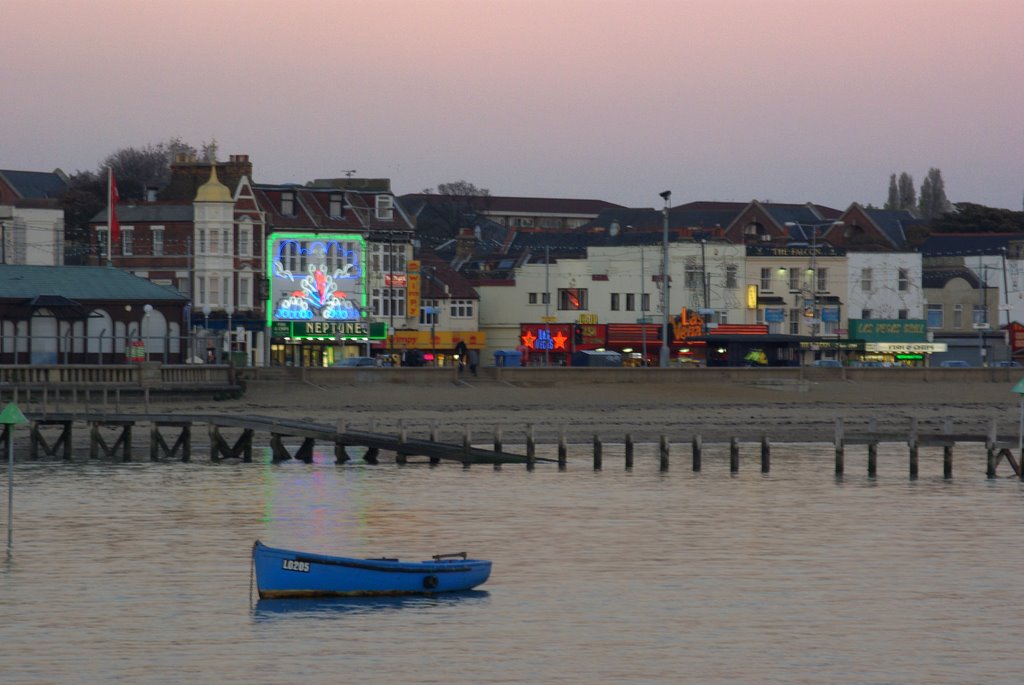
(953, 244)
(81, 283)
(894, 223)
(36, 185)
(148, 212)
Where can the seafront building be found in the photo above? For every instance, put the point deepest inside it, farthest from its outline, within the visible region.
(303, 275)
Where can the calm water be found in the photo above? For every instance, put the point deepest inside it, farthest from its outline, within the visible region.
(140, 573)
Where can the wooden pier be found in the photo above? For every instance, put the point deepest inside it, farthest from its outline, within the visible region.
(171, 436)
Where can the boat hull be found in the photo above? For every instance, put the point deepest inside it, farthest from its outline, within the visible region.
(282, 573)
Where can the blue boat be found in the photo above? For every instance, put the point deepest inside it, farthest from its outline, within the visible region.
(282, 573)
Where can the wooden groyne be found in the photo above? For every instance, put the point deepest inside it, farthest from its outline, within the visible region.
(171, 437)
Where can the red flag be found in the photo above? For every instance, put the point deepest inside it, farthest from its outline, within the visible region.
(115, 226)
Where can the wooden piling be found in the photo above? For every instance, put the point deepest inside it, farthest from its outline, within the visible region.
(947, 461)
(465, 446)
(872, 459)
(663, 453)
(838, 441)
(629, 450)
(734, 455)
(913, 460)
(563, 451)
(990, 460)
(400, 456)
(766, 454)
(434, 461)
(497, 446)
(531, 448)
(697, 449)
(598, 453)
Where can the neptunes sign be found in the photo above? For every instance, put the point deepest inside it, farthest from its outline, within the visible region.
(314, 278)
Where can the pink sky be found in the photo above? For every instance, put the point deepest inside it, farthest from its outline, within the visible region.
(783, 100)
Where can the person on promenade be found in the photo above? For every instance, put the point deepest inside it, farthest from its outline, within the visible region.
(461, 353)
(474, 360)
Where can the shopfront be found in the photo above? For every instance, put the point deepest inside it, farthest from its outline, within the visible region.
(892, 342)
(322, 344)
(426, 348)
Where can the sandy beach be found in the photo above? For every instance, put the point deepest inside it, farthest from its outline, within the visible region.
(717, 412)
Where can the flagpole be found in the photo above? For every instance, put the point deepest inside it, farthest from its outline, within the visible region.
(110, 216)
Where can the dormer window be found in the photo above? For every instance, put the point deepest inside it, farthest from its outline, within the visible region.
(384, 208)
(288, 204)
(337, 206)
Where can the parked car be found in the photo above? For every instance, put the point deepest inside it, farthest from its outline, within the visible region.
(828, 363)
(954, 364)
(356, 361)
(1005, 364)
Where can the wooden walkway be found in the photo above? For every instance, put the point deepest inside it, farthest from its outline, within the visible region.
(163, 426)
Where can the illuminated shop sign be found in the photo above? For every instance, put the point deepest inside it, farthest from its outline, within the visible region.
(316, 278)
(330, 330)
(906, 348)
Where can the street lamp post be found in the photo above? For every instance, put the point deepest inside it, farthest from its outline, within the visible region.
(815, 313)
(664, 356)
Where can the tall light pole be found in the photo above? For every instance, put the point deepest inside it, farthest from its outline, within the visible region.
(664, 358)
(815, 313)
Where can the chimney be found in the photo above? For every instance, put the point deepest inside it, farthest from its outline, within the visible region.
(465, 244)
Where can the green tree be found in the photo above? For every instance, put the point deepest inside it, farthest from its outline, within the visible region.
(894, 194)
(966, 217)
(933, 202)
(908, 198)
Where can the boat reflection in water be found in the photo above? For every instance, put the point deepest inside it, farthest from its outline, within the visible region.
(270, 609)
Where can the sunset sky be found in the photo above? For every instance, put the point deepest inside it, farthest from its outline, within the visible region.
(781, 100)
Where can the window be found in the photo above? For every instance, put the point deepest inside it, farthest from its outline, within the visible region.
(462, 309)
(202, 242)
(766, 280)
(384, 208)
(531, 298)
(935, 316)
(387, 257)
(288, 204)
(545, 298)
(865, 313)
(645, 302)
(244, 290)
(201, 284)
(337, 206)
(227, 290)
(214, 241)
(794, 279)
(127, 240)
(958, 316)
(693, 278)
(730, 275)
(388, 301)
(865, 279)
(244, 241)
(225, 242)
(429, 312)
(978, 314)
(904, 279)
(158, 241)
(615, 302)
(214, 283)
(794, 321)
(574, 299)
(822, 284)
(630, 302)
(903, 314)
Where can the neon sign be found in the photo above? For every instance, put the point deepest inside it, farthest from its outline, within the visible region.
(316, 277)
